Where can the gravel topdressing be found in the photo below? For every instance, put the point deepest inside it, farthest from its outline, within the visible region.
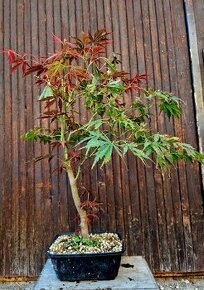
(95, 243)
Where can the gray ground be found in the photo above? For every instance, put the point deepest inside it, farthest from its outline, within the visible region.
(17, 286)
(184, 284)
(165, 284)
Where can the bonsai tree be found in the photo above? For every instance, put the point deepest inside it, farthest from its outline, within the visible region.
(78, 70)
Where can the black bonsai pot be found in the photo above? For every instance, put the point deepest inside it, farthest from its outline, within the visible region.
(91, 266)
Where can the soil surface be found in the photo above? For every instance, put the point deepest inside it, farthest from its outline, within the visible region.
(164, 284)
(94, 243)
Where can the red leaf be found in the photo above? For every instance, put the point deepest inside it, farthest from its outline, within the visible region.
(60, 105)
(119, 74)
(73, 52)
(11, 54)
(134, 83)
(49, 103)
(57, 39)
(44, 117)
(87, 49)
(97, 50)
(91, 37)
(40, 82)
(69, 44)
(46, 99)
(51, 112)
(14, 68)
(24, 65)
(79, 43)
(34, 68)
(85, 38)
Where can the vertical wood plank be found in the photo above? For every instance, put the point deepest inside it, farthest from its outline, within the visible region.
(22, 149)
(15, 145)
(37, 147)
(167, 126)
(153, 179)
(195, 22)
(120, 219)
(178, 224)
(2, 126)
(111, 194)
(142, 188)
(182, 75)
(54, 164)
(29, 147)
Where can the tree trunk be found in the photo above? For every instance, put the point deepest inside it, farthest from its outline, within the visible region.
(75, 194)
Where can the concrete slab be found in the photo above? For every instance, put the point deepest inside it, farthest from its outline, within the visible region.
(134, 274)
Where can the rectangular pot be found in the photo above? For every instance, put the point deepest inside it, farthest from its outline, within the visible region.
(79, 267)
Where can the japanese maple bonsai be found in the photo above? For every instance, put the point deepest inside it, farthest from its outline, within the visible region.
(79, 71)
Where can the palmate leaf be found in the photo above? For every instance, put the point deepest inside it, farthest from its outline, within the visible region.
(139, 153)
(163, 148)
(170, 109)
(31, 135)
(115, 87)
(47, 92)
(168, 150)
(76, 71)
(168, 103)
(96, 124)
(38, 133)
(103, 153)
(111, 66)
(99, 146)
(190, 154)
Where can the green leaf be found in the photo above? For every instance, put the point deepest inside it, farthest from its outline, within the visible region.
(96, 71)
(115, 86)
(108, 153)
(125, 148)
(168, 103)
(57, 135)
(111, 66)
(94, 143)
(133, 147)
(47, 92)
(38, 133)
(101, 146)
(31, 135)
(170, 109)
(104, 153)
(96, 124)
(46, 139)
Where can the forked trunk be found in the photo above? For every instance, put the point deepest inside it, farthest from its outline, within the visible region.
(75, 194)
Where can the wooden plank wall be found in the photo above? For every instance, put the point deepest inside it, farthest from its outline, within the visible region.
(161, 219)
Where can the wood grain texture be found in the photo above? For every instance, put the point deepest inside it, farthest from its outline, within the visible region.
(159, 217)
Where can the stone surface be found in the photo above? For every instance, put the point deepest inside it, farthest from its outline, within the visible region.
(136, 276)
(181, 284)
